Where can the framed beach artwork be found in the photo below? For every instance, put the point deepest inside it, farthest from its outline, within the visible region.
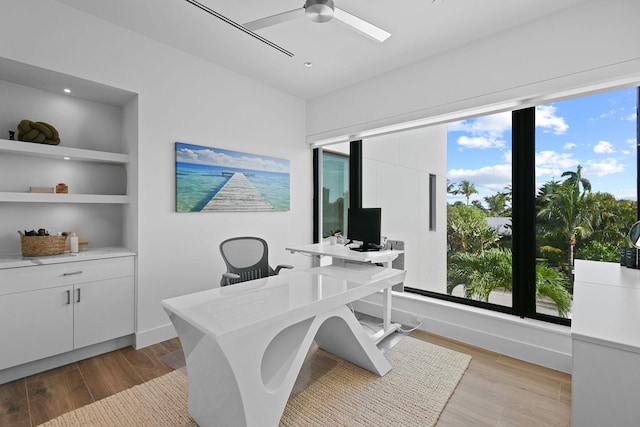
(217, 180)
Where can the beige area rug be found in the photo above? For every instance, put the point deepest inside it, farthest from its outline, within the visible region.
(413, 393)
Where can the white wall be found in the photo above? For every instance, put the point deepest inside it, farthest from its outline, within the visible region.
(590, 44)
(396, 170)
(181, 98)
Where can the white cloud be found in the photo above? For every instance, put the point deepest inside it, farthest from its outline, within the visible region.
(485, 132)
(211, 157)
(549, 162)
(546, 118)
(508, 157)
(603, 147)
(602, 168)
(607, 114)
(495, 177)
(631, 146)
(495, 124)
(569, 146)
(480, 142)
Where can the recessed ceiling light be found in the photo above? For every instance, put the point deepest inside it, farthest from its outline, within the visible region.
(308, 64)
(67, 90)
(67, 158)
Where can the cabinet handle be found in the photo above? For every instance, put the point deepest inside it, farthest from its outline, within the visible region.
(78, 296)
(68, 297)
(73, 273)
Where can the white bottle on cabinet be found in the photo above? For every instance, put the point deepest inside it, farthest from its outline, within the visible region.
(73, 243)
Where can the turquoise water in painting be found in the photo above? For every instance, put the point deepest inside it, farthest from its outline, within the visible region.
(196, 184)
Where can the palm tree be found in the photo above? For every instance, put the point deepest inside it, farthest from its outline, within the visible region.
(451, 187)
(480, 274)
(466, 188)
(576, 179)
(567, 208)
(496, 203)
(553, 284)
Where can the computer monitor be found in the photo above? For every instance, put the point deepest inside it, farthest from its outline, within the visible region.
(364, 226)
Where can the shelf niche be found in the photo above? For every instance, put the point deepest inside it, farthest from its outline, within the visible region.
(92, 158)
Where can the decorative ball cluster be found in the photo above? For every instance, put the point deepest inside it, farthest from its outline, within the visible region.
(39, 132)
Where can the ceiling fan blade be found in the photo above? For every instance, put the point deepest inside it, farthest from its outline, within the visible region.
(361, 26)
(278, 18)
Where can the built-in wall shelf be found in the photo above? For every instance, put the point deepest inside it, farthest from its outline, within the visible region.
(19, 197)
(94, 160)
(60, 152)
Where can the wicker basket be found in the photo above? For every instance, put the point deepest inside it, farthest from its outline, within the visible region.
(42, 245)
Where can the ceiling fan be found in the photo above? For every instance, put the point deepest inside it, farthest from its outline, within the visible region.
(322, 11)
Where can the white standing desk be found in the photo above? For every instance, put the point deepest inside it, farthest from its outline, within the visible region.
(342, 253)
(344, 257)
(245, 344)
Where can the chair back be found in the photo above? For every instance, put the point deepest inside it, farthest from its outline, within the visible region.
(248, 257)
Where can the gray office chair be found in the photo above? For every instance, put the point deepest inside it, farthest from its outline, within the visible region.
(247, 258)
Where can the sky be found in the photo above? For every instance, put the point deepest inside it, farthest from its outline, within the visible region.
(189, 153)
(596, 131)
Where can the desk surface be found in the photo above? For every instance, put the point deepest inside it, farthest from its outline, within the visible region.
(343, 252)
(606, 304)
(305, 293)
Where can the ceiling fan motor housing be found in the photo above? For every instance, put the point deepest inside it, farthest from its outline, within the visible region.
(319, 10)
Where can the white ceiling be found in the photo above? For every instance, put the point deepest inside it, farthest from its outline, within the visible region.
(341, 57)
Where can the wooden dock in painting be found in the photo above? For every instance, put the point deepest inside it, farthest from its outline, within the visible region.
(238, 194)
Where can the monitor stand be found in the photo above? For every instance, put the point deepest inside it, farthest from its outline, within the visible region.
(368, 247)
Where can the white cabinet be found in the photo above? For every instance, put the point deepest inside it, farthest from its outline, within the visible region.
(103, 310)
(605, 331)
(35, 325)
(51, 309)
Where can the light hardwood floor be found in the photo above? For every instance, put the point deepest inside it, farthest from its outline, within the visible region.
(496, 390)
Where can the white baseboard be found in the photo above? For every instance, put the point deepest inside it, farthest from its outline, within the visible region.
(545, 344)
(153, 336)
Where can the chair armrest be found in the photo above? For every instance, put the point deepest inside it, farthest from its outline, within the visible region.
(281, 266)
(228, 277)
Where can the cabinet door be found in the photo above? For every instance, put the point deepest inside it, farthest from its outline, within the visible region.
(35, 324)
(103, 310)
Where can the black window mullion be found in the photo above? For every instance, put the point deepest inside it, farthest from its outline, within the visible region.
(355, 174)
(523, 217)
(317, 194)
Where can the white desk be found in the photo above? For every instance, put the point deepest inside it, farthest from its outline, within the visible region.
(245, 344)
(342, 256)
(341, 252)
(606, 345)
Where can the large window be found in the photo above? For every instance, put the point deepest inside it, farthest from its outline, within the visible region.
(586, 169)
(519, 196)
(572, 166)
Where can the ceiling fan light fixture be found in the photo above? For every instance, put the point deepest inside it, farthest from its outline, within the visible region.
(319, 10)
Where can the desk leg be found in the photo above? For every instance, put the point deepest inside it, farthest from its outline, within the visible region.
(244, 378)
(387, 327)
(386, 309)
